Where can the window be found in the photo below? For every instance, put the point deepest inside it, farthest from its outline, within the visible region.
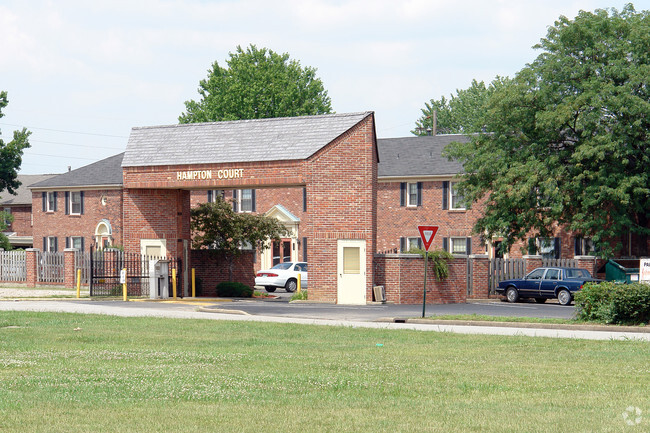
(456, 200)
(549, 248)
(75, 242)
(243, 200)
(7, 217)
(537, 274)
(584, 247)
(50, 244)
(408, 244)
(75, 203)
(215, 194)
(49, 201)
(411, 194)
(552, 274)
(458, 246)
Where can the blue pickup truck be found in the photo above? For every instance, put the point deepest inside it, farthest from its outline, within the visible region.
(546, 283)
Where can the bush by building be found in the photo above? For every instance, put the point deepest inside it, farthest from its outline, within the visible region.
(609, 302)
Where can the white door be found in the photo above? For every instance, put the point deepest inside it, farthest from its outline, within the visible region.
(351, 271)
(153, 247)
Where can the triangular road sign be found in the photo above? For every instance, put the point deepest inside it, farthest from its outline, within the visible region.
(427, 233)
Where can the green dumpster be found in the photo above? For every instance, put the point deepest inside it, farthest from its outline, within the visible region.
(622, 270)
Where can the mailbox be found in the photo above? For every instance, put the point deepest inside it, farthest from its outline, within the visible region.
(159, 279)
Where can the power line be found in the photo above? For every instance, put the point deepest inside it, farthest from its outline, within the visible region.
(62, 130)
(60, 156)
(75, 145)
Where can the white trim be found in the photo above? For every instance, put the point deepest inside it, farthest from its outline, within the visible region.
(451, 197)
(408, 194)
(76, 188)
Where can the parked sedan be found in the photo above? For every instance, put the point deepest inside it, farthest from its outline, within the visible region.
(546, 283)
(283, 275)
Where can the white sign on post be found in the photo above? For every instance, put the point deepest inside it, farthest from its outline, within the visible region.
(644, 271)
(123, 276)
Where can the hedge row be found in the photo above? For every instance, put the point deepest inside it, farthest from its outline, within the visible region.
(609, 302)
(234, 289)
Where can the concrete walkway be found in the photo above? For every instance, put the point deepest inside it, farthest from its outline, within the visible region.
(129, 310)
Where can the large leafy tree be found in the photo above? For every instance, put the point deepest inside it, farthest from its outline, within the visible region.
(462, 113)
(11, 157)
(217, 227)
(256, 84)
(568, 137)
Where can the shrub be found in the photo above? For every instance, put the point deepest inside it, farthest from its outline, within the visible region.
(610, 302)
(234, 289)
(299, 296)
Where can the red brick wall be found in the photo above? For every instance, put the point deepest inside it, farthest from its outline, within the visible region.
(395, 221)
(60, 225)
(156, 214)
(402, 276)
(213, 269)
(341, 185)
(22, 223)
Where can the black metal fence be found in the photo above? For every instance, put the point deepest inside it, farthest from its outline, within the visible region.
(106, 266)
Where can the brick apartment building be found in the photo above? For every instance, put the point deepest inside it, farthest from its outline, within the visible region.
(327, 178)
(19, 205)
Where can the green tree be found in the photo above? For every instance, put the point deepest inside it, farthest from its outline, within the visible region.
(257, 84)
(11, 154)
(462, 113)
(217, 227)
(568, 137)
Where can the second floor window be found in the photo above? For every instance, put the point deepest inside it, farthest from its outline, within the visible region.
(75, 203)
(456, 200)
(51, 202)
(243, 200)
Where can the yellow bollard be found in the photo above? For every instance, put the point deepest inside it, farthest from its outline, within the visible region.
(124, 284)
(174, 282)
(193, 283)
(299, 284)
(78, 283)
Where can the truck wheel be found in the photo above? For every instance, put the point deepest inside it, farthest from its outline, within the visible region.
(291, 285)
(512, 295)
(564, 297)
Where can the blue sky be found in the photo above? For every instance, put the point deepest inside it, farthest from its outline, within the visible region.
(81, 74)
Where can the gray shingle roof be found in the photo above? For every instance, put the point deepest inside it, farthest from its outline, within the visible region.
(24, 195)
(417, 156)
(286, 138)
(107, 172)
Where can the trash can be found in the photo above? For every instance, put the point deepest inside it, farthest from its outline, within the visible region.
(622, 270)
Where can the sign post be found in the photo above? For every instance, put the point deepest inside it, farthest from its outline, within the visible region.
(427, 233)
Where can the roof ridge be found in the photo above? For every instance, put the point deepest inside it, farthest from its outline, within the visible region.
(266, 119)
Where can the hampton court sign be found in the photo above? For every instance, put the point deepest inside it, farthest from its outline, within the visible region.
(230, 173)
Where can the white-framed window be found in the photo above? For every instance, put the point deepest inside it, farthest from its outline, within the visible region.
(546, 247)
(412, 194)
(215, 194)
(409, 243)
(7, 217)
(456, 200)
(584, 247)
(76, 242)
(50, 201)
(458, 245)
(51, 244)
(244, 200)
(75, 203)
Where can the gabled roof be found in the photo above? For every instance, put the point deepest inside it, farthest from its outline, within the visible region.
(23, 194)
(285, 138)
(417, 156)
(107, 172)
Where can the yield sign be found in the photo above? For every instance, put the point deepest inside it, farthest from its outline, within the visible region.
(427, 233)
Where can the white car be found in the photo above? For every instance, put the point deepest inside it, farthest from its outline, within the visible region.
(283, 275)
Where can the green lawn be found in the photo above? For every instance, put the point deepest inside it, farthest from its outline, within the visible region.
(79, 373)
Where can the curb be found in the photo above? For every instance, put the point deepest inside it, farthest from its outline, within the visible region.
(222, 311)
(522, 325)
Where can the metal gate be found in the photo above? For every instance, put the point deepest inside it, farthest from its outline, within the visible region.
(106, 265)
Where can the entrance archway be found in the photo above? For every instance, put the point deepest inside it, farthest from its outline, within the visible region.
(334, 157)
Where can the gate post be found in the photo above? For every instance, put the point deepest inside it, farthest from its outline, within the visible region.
(31, 262)
(480, 276)
(69, 273)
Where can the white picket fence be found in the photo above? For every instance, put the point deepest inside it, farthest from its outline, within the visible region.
(13, 266)
(50, 267)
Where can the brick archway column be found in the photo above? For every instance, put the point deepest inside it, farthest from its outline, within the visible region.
(156, 214)
(342, 204)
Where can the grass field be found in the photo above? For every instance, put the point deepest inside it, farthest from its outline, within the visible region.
(80, 373)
